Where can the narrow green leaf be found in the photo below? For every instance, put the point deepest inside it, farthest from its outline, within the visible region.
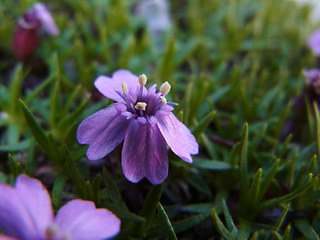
(306, 229)
(15, 90)
(166, 65)
(283, 216)
(243, 162)
(166, 224)
(316, 113)
(54, 103)
(220, 226)
(67, 121)
(244, 230)
(75, 93)
(229, 221)
(203, 124)
(57, 188)
(255, 187)
(266, 181)
(113, 193)
(36, 130)
(31, 162)
(75, 174)
(187, 223)
(288, 197)
(16, 147)
(39, 89)
(123, 213)
(199, 183)
(148, 209)
(197, 207)
(287, 233)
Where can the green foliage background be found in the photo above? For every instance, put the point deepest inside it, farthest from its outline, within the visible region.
(236, 70)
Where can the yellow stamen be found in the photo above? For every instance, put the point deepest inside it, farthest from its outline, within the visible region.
(143, 80)
(163, 100)
(165, 88)
(124, 88)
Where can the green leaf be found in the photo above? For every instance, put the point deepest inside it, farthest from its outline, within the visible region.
(66, 122)
(255, 188)
(113, 193)
(15, 90)
(243, 163)
(36, 130)
(39, 89)
(211, 164)
(55, 104)
(57, 189)
(229, 221)
(123, 213)
(16, 147)
(187, 223)
(197, 208)
(75, 174)
(306, 229)
(220, 226)
(316, 113)
(148, 210)
(244, 230)
(266, 181)
(288, 197)
(203, 124)
(199, 183)
(166, 224)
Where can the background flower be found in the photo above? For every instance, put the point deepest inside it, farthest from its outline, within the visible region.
(26, 213)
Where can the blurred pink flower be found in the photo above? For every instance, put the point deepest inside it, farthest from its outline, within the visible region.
(26, 37)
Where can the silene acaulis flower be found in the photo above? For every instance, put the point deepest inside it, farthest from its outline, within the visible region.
(141, 118)
(26, 214)
(29, 27)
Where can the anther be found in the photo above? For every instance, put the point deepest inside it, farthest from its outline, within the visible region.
(140, 106)
(163, 100)
(142, 79)
(165, 88)
(124, 88)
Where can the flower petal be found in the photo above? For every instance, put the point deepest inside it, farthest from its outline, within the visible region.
(36, 200)
(82, 220)
(103, 130)
(4, 237)
(108, 86)
(144, 152)
(46, 19)
(314, 42)
(177, 135)
(14, 218)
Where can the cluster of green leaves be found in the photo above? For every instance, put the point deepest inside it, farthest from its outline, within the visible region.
(234, 66)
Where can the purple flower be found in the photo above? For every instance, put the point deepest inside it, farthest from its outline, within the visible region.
(26, 213)
(26, 37)
(143, 119)
(314, 42)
